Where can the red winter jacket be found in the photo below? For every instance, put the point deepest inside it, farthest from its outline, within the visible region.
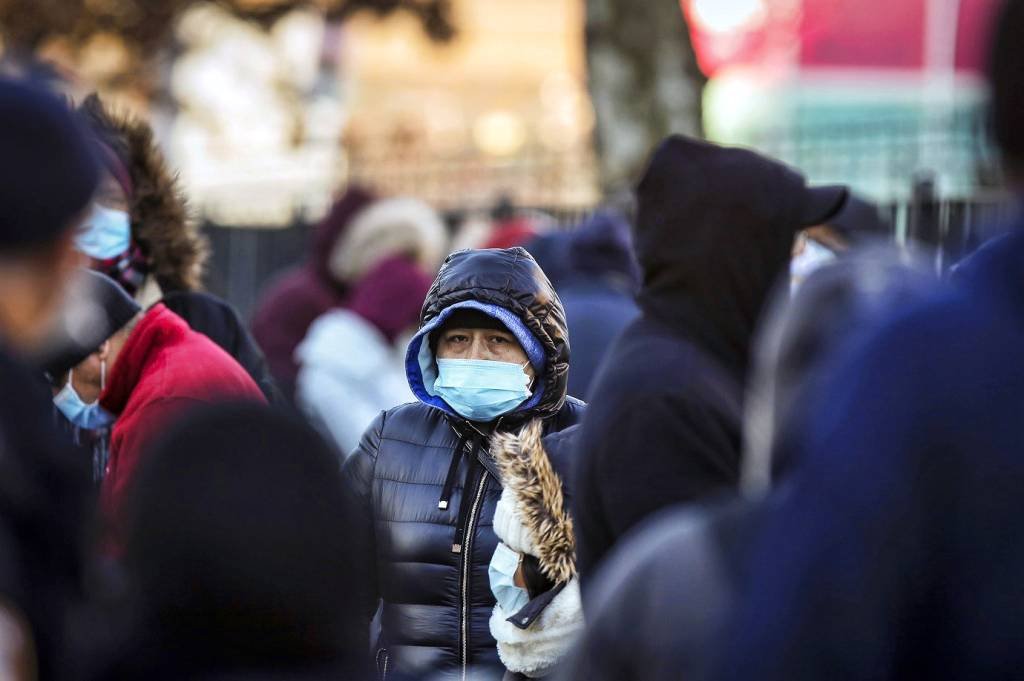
(163, 369)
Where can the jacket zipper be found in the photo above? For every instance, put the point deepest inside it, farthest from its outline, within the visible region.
(467, 554)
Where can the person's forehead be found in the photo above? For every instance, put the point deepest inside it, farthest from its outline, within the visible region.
(472, 329)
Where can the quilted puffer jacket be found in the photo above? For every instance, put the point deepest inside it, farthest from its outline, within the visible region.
(427, 487)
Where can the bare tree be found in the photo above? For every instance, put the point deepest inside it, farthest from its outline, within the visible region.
(144, 27)
(643, 79)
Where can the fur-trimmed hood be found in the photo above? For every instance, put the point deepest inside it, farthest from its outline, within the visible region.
(160, 222)
(532, 516)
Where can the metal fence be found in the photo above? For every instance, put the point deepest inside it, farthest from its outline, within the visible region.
(245, 260)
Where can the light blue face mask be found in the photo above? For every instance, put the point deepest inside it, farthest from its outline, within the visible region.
(106, 234)
(502, 575)
(479, 389)
(813, 257)
(87, 416)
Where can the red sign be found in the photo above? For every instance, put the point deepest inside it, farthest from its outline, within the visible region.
(854, 34)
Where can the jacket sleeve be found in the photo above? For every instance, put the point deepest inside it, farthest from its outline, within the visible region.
(357, 477)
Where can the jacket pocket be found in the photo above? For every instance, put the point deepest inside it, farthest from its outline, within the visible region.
(382, 664)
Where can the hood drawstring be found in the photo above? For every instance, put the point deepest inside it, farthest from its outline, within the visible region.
(467, 447)
(465, 444)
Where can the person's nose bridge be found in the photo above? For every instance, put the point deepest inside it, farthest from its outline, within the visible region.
(479, 349)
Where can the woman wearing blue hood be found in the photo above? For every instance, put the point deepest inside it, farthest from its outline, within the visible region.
(491, 355)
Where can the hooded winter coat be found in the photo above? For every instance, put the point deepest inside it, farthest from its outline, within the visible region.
(715, 229)
(427, 487)
(170, 243)
(532, 518)
(163, 369)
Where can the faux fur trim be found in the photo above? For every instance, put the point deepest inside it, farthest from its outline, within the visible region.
(527, 475)
(400, 226)
(535, 651)
(176, 250)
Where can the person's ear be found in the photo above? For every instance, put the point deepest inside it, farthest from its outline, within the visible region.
(104, 350)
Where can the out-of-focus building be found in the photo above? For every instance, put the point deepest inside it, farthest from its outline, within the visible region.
(269, 124)
(503, 108)
(871, 92)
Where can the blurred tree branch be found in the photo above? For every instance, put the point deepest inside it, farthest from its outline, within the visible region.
(146, 26)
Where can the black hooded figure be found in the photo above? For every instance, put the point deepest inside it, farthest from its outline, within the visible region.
(714, 230)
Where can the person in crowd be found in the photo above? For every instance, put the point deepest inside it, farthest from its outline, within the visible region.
(896, 551)
(238, 560)
(658, 605)
(218, 320)
(857, 223)
(159, 369)
(351, 363)
(356, 235)
(79, 374)
(538, 612)
(598, 287)
(715, 229)
(139, 233)
(491, 354)
(50, 174)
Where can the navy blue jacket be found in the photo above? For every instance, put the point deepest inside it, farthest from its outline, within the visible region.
(431, 540)
(597, 311)
(897, 553)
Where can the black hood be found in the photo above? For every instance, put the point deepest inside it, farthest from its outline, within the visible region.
(715, 229)
(511, 280)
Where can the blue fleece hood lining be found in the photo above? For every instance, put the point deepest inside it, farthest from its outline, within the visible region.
(421, 369)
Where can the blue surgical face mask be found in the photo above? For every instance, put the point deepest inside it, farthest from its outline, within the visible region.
(812, 257)
(481, 390)
(106, 233)
(88, 416)
(502, 575)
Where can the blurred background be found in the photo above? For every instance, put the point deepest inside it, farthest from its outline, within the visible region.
(270, 108)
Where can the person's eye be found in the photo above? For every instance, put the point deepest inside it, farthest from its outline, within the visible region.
(457, 338)
(499, 340)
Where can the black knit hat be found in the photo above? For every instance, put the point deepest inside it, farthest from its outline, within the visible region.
(48, 166)
(238, 543)
(99, 308)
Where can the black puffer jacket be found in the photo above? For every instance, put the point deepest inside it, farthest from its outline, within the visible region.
(430, 539)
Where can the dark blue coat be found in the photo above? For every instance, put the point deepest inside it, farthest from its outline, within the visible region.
(430, 563)
(597, 311)
(898, 553)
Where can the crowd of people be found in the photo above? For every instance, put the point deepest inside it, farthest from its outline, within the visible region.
(736, 433)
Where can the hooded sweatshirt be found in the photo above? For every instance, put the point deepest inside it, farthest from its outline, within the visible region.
(715, 228)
